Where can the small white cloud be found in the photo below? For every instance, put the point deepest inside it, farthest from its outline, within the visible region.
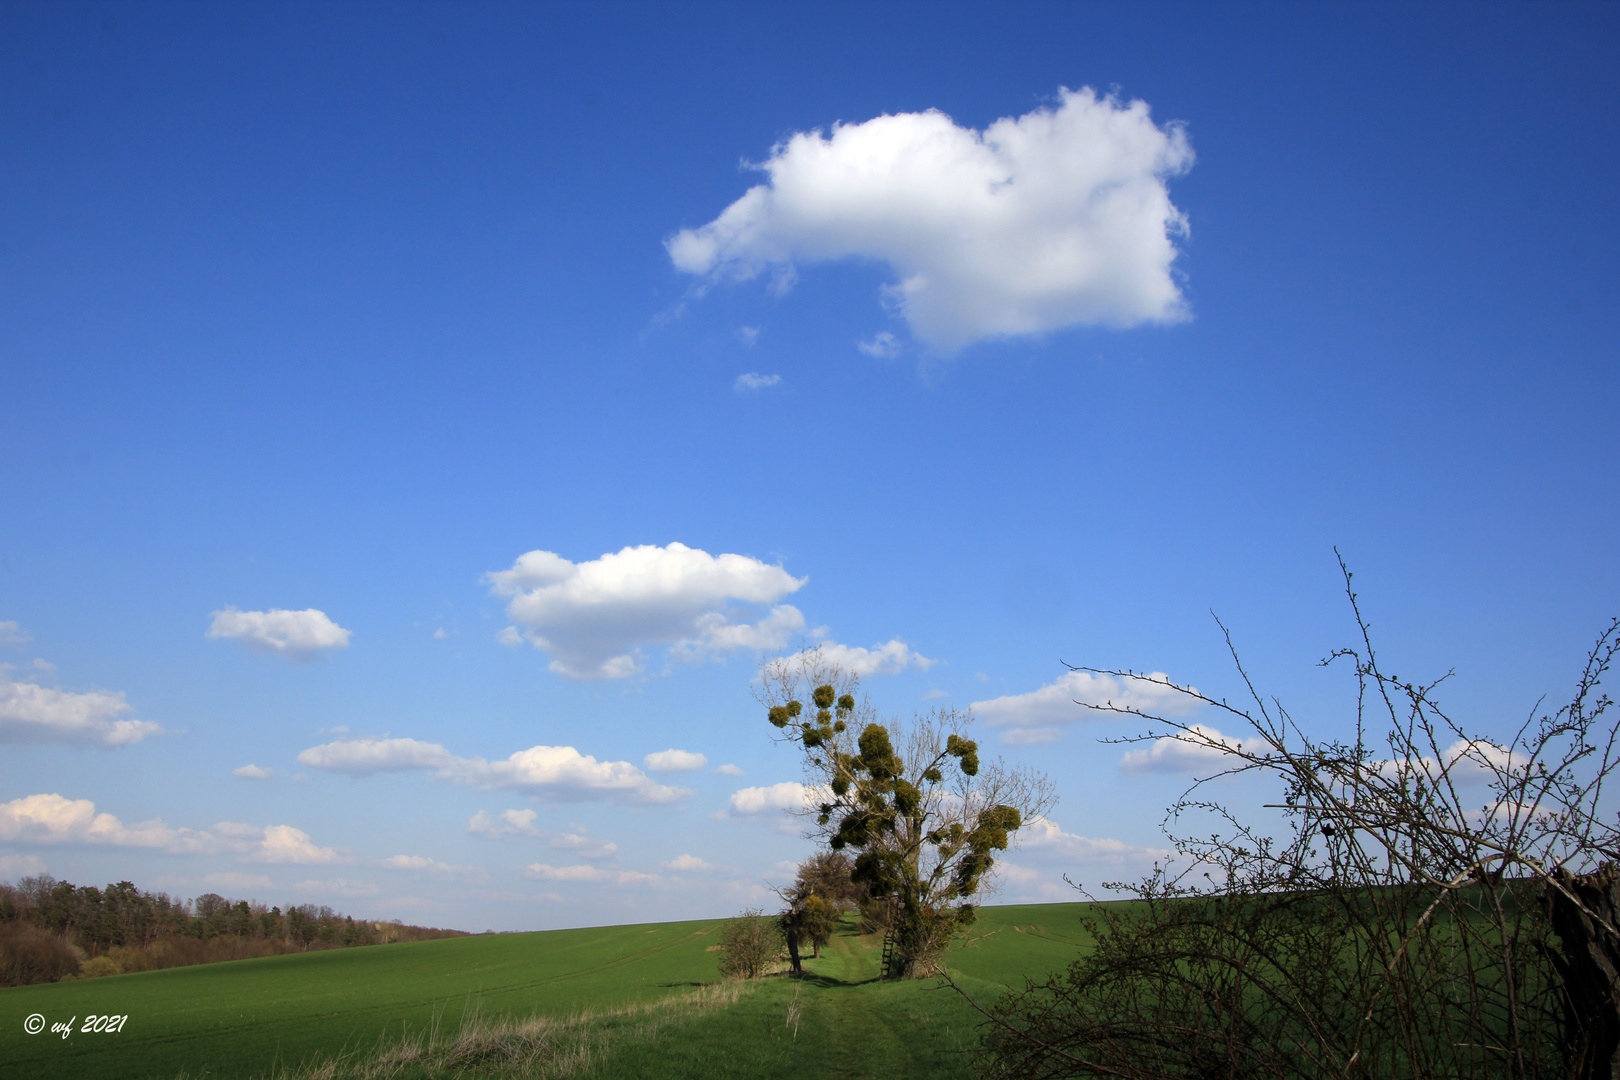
(748, 334)
(285, 844)
(421, 864)
(14, 635)
(337, 887)
(683, 864)
(729, 770)
(510, 637)
(1057, 218)
(564, 774)
(935, 694)
(44, 665)
(1047, 836)
(52, 819)
(674, 761)
(238, 882)
(30, 713)
(297, 635)
(581, 872)
(595, 618)
(1200, 749)
(440, 634)
(888, 659)
(584, 845)
(884, 346)
(753, 380)
(251, 772)
(1038, 712)
(554, 772)
(510, 823)
(363, 757)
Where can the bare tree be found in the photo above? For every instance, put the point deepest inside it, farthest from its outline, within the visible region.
(1419, 901)
(914, 799)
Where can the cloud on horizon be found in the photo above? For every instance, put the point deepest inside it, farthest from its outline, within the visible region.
(1057, 218)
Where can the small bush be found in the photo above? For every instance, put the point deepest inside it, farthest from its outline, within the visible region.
(749, 944)
(98, 966)
(30, 954)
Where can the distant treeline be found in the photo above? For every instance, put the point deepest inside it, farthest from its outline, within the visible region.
(51, 930)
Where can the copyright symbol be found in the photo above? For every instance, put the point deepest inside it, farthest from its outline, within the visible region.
(34, 1024)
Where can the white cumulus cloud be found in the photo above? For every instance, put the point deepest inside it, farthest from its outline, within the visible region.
(674, 761)
(363, 757)
(33, 713)
(1043, 836)
(421, 864)
(12, 634)
(729, 770)
(251, 772)
(1035, 717)
(297, 635)
(53, 819)
(777, 804)
(890, 658)
(596, 618)
(508, 823)
(1056, 218)
(1199, 750)
(559, 773)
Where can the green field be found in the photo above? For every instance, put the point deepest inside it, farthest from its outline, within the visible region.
(252, 1017)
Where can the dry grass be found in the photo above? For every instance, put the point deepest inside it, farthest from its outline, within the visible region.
(538, 1048)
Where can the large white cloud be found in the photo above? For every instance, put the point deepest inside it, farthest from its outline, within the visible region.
(297, 635)
(1056, 218)
(33, 713)
(1037, 715)
(558, 773)
(54, 819)
(595, 618)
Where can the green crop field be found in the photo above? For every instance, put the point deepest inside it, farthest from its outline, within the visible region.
(630, 999)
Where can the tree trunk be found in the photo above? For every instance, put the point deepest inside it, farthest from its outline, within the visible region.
(793, 946)
(1590, 970)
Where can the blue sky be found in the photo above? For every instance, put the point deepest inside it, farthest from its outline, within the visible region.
(342, 309)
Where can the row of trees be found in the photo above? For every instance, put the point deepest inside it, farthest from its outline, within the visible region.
(51, 928)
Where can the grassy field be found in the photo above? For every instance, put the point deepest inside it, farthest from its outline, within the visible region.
(630, 999)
